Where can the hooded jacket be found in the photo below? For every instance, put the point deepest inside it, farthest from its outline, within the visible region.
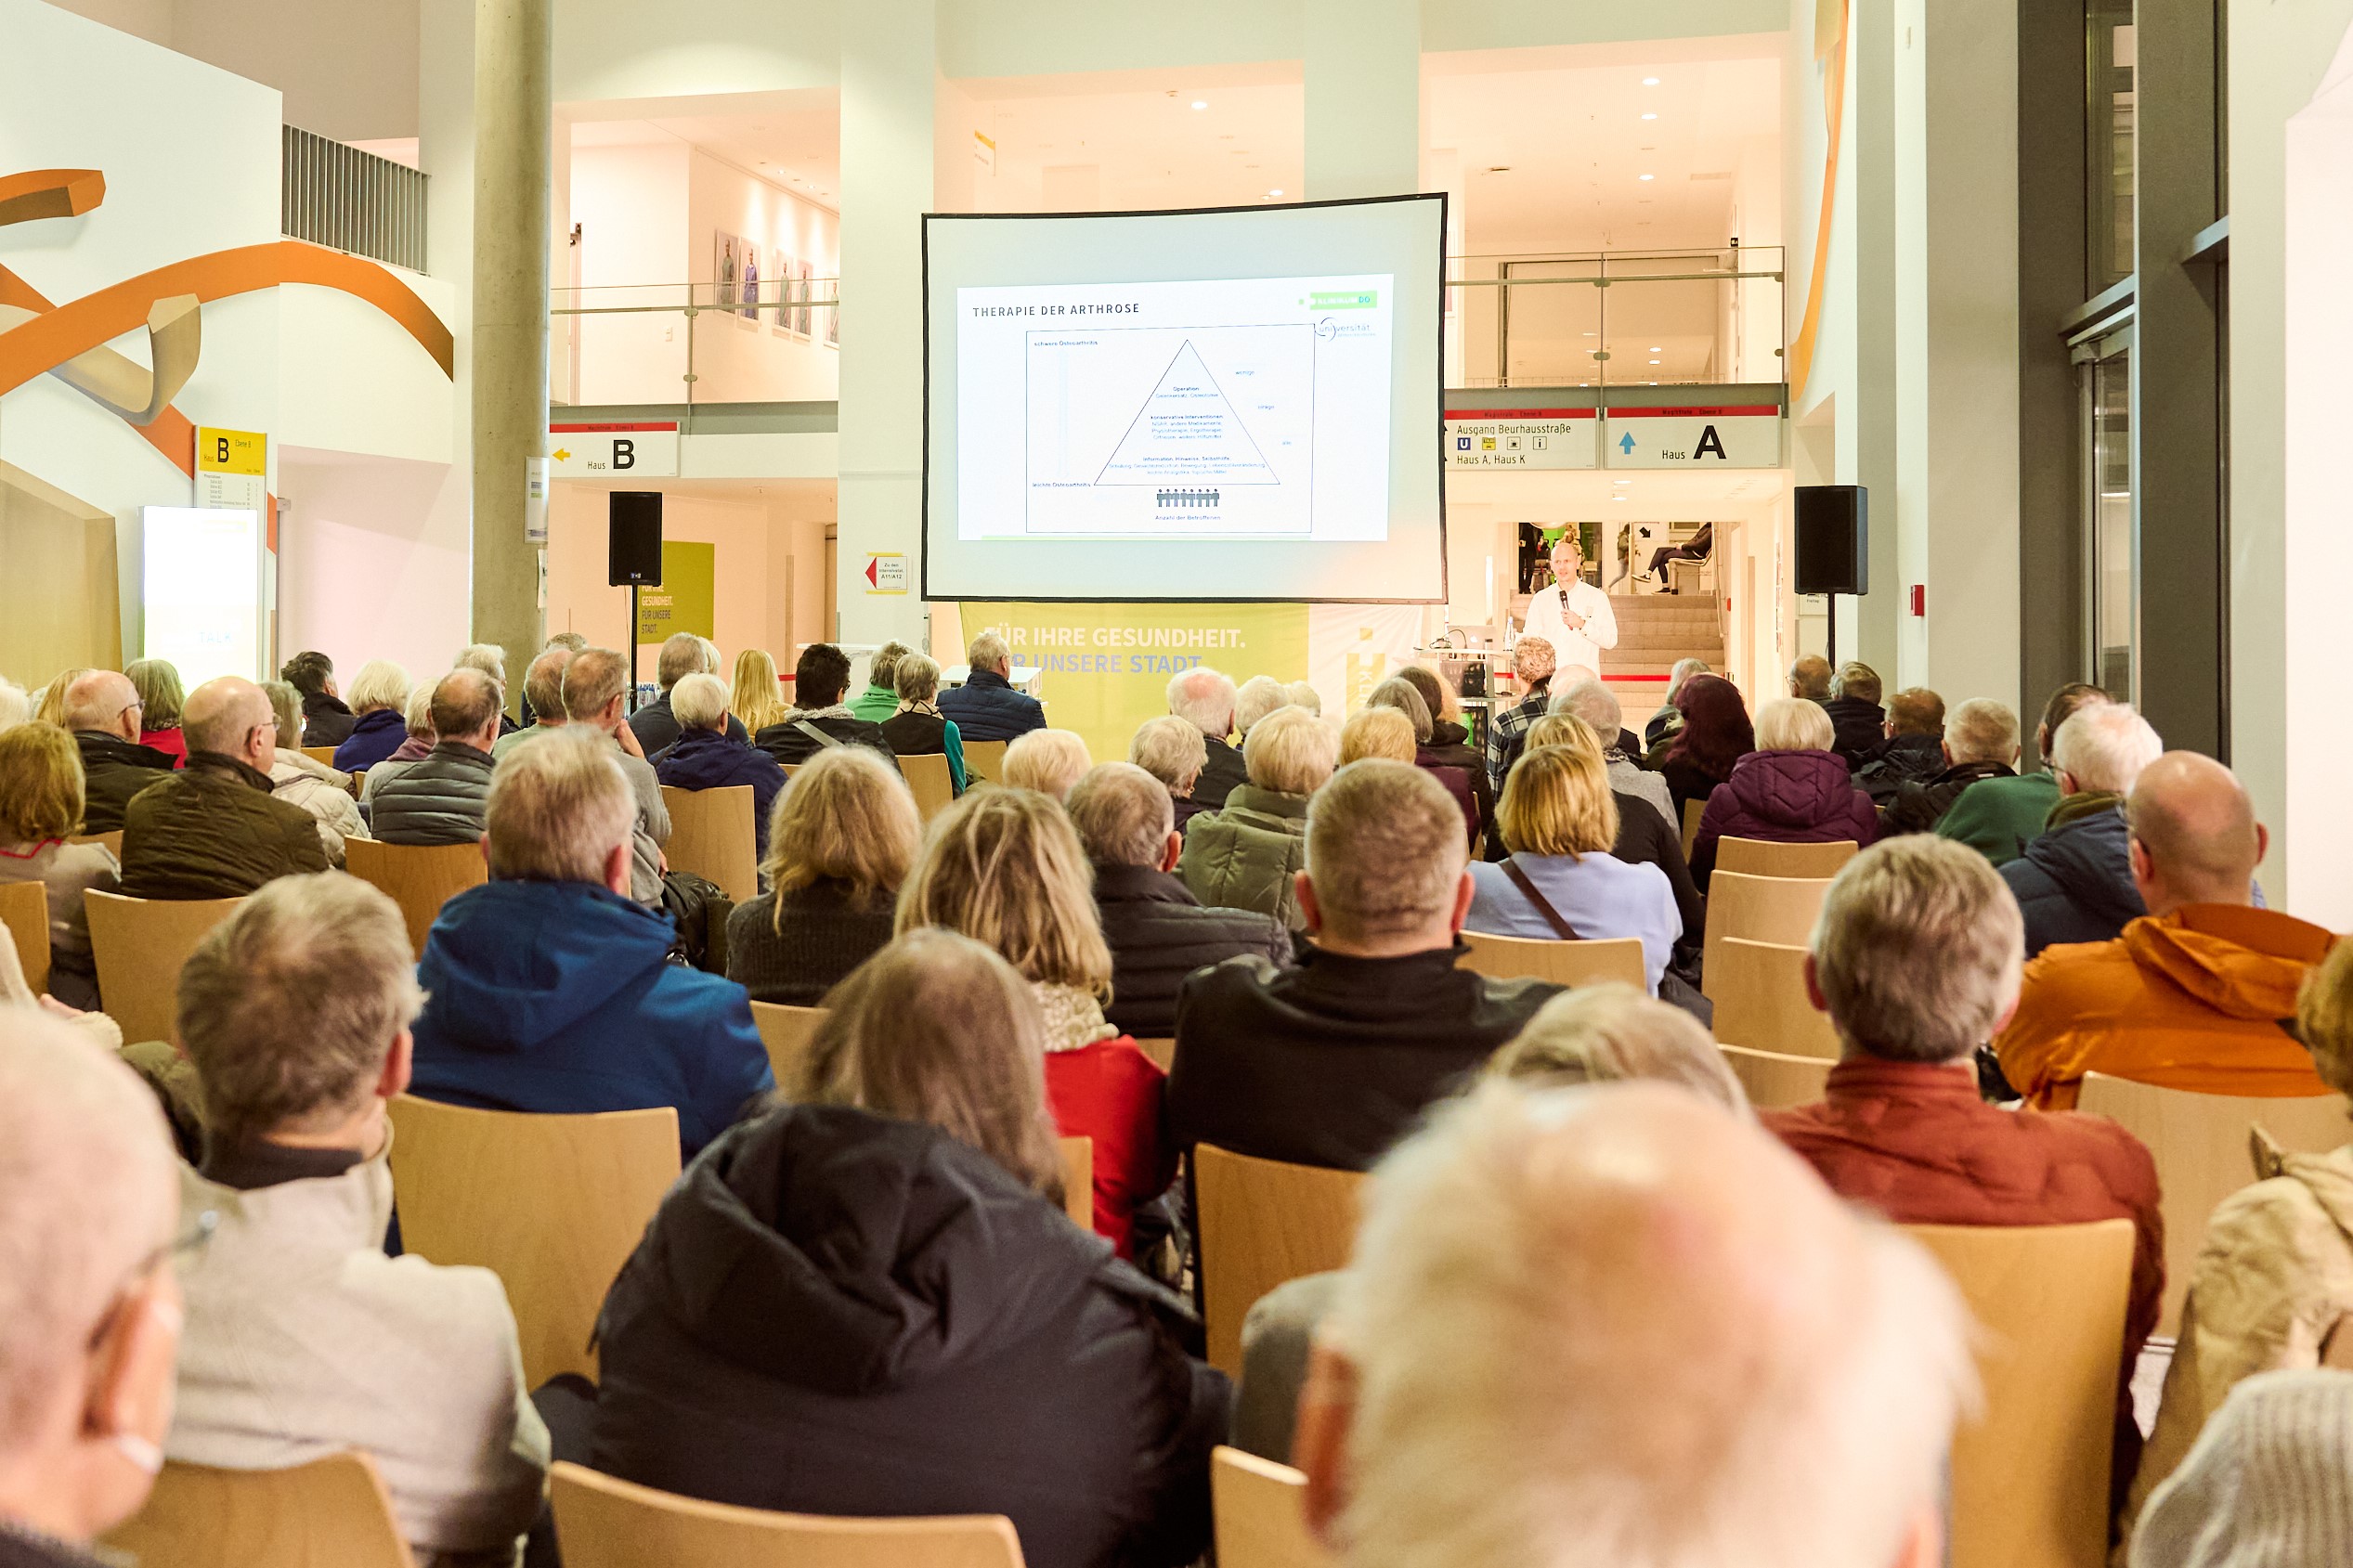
(838, 1312)
(1783, 798)
(707, 759)
(1920, 804)
(1159, 933)
(304, 781)
(114, 769)
(555, 997)
(375, 735)
(1245, 855)
(2074, 883)
(2191, 1000)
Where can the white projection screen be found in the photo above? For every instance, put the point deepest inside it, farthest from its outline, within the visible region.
(1231, 404)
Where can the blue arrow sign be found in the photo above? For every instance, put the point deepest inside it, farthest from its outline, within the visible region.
(1626, 442)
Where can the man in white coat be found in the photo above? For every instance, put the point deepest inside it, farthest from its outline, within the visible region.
(1572, 615)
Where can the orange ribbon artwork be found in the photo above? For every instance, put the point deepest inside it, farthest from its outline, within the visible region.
(69, 341)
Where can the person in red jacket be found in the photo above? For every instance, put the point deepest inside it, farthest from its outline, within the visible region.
(1916, 959)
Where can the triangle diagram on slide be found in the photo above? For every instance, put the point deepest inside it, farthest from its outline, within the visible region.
(1186, 431)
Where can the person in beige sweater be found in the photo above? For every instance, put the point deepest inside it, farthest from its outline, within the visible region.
(303, 1338)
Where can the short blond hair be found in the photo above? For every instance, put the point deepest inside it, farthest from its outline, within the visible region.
(915, 676)
(1795, 724)
(559, 805)
(1562, 729)
(1257, 698)
(1604, 1034)
(1983, 731)
(1386, 850)
(1291, 751)
(1172, 750)
(1557, 801)
(843, 817)
(1302, 693)
(379, 684)
(1376, 731)
(41, 783)
(1005, 868)
(699, 702)
(1049, 761)
(1919, 950)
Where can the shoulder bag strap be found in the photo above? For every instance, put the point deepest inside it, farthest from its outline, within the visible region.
(1527, 885)
(813, 733)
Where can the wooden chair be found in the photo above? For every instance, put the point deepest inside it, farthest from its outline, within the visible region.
(553, 1205)
(1563, 963)
(1775, 1081)
(1757, 909)
(711, 833)
(1163, 1051)
(1758, 857)
(2030, 1476)
(1263, 1221)
(419, 877)
(1078, 1180)
(2200, 1144)
(1759, 989)
(933, 785)
(24, 911)
(787, 1032)
(1693, 811)
(601, 1522)
(984, 759)
(325, 754)
(113, 841)
(330, 1513)
(139, 945)
(1259, 1511)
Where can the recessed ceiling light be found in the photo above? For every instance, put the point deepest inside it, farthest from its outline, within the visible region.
(1650, 116)
(1650, 176)
(1201, 103)
(1654, 361)
(1618, 497)
(1276, 191)
(1650, 81)
(1621, 481)
(1656, 349)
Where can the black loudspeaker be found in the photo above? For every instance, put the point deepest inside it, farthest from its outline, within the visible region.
(1833, 538)
(635, 522)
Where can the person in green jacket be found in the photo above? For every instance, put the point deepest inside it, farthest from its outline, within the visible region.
(1999, 817)
(880, 699)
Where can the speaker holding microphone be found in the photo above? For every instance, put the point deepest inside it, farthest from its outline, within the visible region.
(634, 525)
(1833, 538)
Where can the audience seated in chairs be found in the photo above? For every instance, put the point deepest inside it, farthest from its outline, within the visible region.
(1248, 854)
(986, 707)
(1255, 698)
(89, 1303)
(1665, 723)
(915, 727)
(417, 720)
(2274, 1290)
(1644, 838)
(543, 694)
(840, 842)
(160, 702)
(1533, 663)
(1049, 761)
(1912, 749)
(1916, 959)
(2270, 1482)
(1810, 677)
(440, 799)
(1405, 697)
(880, 699)
(1378, 732)
(548, 988)
(491, 660)
(378, 704)
(1157, 932)
(706, 756)
(102, 709)
(1981, 745)
(1855, 712)
(303, 1338)
(821, 722)
(1173, 751)
(1302, 693)
(1328, 1063)
(2074, 880)
(869, 1301)
(1792, 789)
(40, 805)
(301, 780)
(1599, 708)
(1205, 699)
(1998, 817)
(1448, 743)
(657, 724)
(1714, 735)
(595, 688)
(1613, 1324)
(1005, 868)
(214, 830)
(2191, 995)
(326, 719)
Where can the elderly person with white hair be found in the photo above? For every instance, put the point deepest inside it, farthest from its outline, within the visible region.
(2075, 881)
(706, 757)
(1248, 854)
(1257, 698)
(418, 719)
(89, 1302)
(304, 781)
(1669, 718)
(379, 696)
(550, 988)
(1613, 1324)
(1048, 761)
(491, 660)
(1173, 751)
(986, 707)
(1980, 743)
(1792, 789)
(1999, 817)
(214, 830)
(1206, 700)
(1302, 693)
(1599, 708)
(655, 725)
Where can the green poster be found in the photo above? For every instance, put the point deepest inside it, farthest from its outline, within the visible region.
(683, 601)
(1108, 665)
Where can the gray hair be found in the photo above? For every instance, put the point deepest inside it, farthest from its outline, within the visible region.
(1259, 696)
(543, 682)
(682, 653)
(418, 719)
(1302, 693)
(1291, 751)
(488, 658)
(1601, 1033)
(1680, 671)
(465, 702)
(1400, 693)
(1596, 705)
(989, 652)
(1981, 729)
(1385, 849)
(559, 805)
(1919, 950)
(1048, 761)
(591, 680)
(2104, 747)
(1795, 724)
(915, 676)
(1122, 815)
(379, 684)
(286, 707)
(1170, 749)
(1205, 698)
(699, 702)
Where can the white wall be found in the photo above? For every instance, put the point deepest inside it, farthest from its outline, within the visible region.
(739, 359)
(366, 559)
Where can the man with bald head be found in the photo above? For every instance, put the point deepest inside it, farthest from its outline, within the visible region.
(214, 830)
(2193, 993)
(1614, 1324)
(102, 709)
(1810, 677)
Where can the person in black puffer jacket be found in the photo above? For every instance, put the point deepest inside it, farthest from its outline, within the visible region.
(1855, 713)
(1980, 743)
(844, 1309)
(1913, 748)
(442, 796)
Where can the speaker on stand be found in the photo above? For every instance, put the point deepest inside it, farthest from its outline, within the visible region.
(1833, 545)
(633, 524)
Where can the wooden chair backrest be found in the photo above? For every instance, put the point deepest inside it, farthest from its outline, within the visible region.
(2200, 1143)
(1775, 1081)
(1161, 1048)
(711, 833)
(602, 1522)
(787, 1032)
(113, 841)
(1758, 856)
(933, 785)
(1693, 811)
(419, 877)
(1260, 1511)
(332, 1513)
(24, 910)
(2030, 1476)
(985, 759)
(1758, 990)
(325, 754)
(1263, 1221)
(1759, 909)
(139, 945)
(1078, 1180)
(1563, 963)
(553, 1205)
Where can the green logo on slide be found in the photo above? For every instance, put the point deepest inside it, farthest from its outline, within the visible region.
(1350, 299)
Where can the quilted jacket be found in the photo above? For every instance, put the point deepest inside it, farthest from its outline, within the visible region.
(1783, 798)
(1245, 855)
(441, 799)
(213, 831)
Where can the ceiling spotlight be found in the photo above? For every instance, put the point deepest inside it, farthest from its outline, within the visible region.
(1276, 191)
(1654, 361)
(1621, 481)
(1656, 349)
(1650, 116)
(1650, 81)
(1650, 176)
(1201, 103)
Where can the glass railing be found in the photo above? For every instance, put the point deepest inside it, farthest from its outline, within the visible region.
(769, 341)
(1618, 318)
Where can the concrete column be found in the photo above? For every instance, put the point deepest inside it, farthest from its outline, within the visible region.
(1363, 70)
(445, 151)
(889, 61)
(513, 82)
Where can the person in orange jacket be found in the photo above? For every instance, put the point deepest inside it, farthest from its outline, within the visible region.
(2193, 995)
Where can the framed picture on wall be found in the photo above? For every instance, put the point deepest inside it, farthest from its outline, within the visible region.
(832, 314)
(803, 315)
(786, 272)
(749, 293)
(722, 270)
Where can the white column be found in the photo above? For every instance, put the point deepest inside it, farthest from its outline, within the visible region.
(1363, 70)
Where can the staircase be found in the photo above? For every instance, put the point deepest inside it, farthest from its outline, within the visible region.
(1654, 630)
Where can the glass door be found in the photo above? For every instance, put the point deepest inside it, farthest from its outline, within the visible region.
(2112, 574)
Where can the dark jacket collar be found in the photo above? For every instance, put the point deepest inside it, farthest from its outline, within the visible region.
(460, 752)
(1411, 974)
(247, 1163)
(988, 677)
(228, 767)
(2081, 805)
(97, 745)
(1970, 773)
(1139, 885)
(319, 702)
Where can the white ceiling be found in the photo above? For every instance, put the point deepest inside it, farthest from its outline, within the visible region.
(790, 139)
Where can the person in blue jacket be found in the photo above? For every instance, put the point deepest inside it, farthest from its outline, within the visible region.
(706, 757)
(986, 707)
(549, 988)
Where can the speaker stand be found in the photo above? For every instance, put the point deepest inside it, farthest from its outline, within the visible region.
(632, 647)
(1830, 627)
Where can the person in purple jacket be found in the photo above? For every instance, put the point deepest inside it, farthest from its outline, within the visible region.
(1792, 789)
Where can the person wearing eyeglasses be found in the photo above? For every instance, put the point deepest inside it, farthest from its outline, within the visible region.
(89, 1305)
(102, 709)
(215, 830)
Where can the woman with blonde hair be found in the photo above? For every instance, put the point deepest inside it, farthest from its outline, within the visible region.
(40, 809)
(1005, 868)
(757, 699)
(50, 708)
(1049, 761)
(378, 699)
(1610, 1032)
(840, 840)
(1376, 731)
(1248, 854)
(161, 694)
(1644, 836)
